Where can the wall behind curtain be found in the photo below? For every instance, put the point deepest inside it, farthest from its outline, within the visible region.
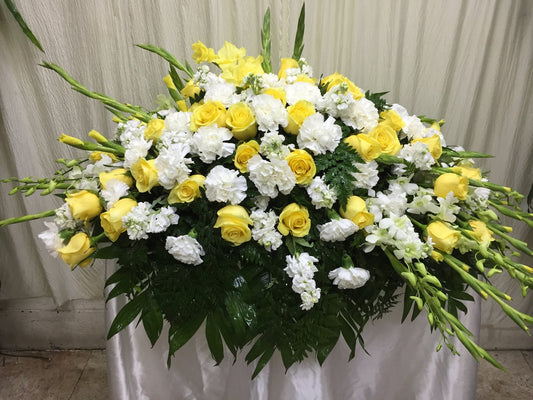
(469, 62)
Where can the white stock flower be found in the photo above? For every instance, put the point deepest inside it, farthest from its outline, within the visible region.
(322, 196)
(209, 142)
(264, 229)
(349, 278)
(114, 190)
(309, 299)
(272, 146)
(417, 153)
(185, 249)
(271, 176)
(269, 112)
(64, 219)
(51, 238)
(225, 185)
(318, 135)
(337, 230)
(137, 221)
(302, 265)
(177, 122)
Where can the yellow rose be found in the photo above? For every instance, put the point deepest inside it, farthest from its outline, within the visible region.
(387, 139)
(294, 219)
(77, 250)
(277, 93)
(97, 156)
(154, 129)
(211, 112)
(367, 147)
(286, 63)
(240, 119)
(119, 173)
(145, 175)
(434, 145)
(305, 78)
(187, 191)
(233, 221)
(303, 166)
(297, 114)
(469, 172)
(111, 220)
(443, 237)
(84, 205)
(244, 152)
(202, 53)
(450, 182)
(480, 232)
(336, 79)
(236, 72)
(393, 119)
(190, 89)
(357, 212)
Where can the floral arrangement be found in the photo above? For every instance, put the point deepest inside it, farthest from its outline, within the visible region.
(281, 210)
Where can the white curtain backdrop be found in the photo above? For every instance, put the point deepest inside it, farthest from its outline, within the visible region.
(469, 62)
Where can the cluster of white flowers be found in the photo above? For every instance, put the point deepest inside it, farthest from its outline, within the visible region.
(114, 190)
(172, 164)
(318, 135)
(51, 238)
(301, 269)
(322, 196)
(349, 278)
(185, 248)
(131, 136)
(337, 230)
(225, 185)
(271, 176)
(367, 177)
(264, 229)
(143, 219)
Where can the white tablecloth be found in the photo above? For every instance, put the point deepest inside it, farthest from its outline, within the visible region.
(401, 365)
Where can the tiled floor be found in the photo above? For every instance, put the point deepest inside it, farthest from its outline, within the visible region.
(81, 375)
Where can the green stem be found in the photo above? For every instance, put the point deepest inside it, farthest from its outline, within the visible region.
(26, 218)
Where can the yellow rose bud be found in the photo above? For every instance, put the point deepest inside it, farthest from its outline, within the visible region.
(211, 112)
(297, 114)
(450, 182)
(97, 136)
(286, 63)
(336, 79)
(294, 219)
(240, 119)
(119, 173)
(84, 205)
(71, 141)
(187, 191)
(277, 93)
(367, 147)
(387, 139)
(434, 145)
(469, 172)
(97, 156)
(77, 250)
(145, 174)
(111, 220)
(190, 89)
(169, 82)
(480, 232)
(202, 53)
(443, 237)
(303, 166)
(244, 152)
(393, 119)
(356, 211)
(233, 221)
(154, 129)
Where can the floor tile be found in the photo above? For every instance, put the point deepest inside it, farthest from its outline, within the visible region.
(93, 381)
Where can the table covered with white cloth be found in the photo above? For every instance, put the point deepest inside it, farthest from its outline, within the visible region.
(401, 364)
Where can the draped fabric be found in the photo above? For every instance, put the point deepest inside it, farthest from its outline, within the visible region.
(469, 62)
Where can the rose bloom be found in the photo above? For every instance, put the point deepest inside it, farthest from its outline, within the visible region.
(297, 114)
(367, 147)
(294, 219)
(119, 174)
(336, 79)
(303, 166)
(480, 232)
(241, 121)
(387, 139)
(111, 220)
(443, 237)
(154, 129)
(434, 145)
(77, 250)
(233, 221)
(393, 119)
(209, 113)
(145, 174)
(277, 93)
(286, 63)
(356, 211)
(84, 205)
(450, 182)
(244, 152)
(469, 172)
(187, 191)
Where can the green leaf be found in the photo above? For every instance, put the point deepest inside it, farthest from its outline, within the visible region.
(299, 40)
(169, 57)
(127, 314)
(175, 78)
(179, 334)
(123, 287)
(261, 345)
(326, 345)
(349, 336)
(107, 253)
(239, 313)
(407, 302)
(214, 341)
(16, 14)
(152, 319)
(265, 358)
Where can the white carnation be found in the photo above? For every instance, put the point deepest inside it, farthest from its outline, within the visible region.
(222, 91)
(177, 122)
(161, 219)
(271, 176)
(136, 148)
(269, 112)
(185, 249)
(337, 230)
(172, 165)
(51, 238)
(303, 91)
(318, 135)
(365, 117)
(210, 142)
(367, 177)
(225, 185)
(114, 190)
(349, 278)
